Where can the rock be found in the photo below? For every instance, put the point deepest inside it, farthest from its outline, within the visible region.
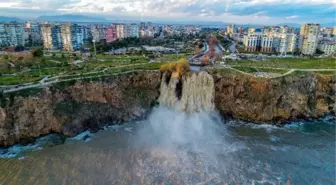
(73, 108)
(279, 99)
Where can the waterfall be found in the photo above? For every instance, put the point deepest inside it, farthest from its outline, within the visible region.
(192, 92)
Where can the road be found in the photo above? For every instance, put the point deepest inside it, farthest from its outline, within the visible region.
(232, 47)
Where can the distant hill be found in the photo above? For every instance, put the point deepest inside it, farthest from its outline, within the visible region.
(9, 19)
(295, 25)
(71, 18)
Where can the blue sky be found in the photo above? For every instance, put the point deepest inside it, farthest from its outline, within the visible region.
(230, 11)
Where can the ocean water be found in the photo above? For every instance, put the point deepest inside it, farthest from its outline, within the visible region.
(172, 147)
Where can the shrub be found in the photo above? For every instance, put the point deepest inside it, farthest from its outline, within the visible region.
(37, 53)
(181, 67)
(6, 57)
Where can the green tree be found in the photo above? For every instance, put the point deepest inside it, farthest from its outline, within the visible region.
(37, 53)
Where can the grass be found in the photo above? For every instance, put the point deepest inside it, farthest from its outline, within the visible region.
(255, 70)
(289, 63)
(16, 80)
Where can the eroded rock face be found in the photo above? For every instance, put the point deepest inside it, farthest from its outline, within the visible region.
(74, 108)
(286, 98)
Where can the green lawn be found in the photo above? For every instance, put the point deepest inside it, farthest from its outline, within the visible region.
(289, 63)
(254, 70)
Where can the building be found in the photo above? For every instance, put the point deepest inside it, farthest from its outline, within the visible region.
(95, 34)
(334, 31)
(56, 37)
(26, 36)
(46, 36)
(66, 37)
(266, 44)
(120, 31)
(133, 30)
(328, 47)
(35, 34)
(3, 35)
(76, 37)
(288, 40)
(87, 37)
(111, 34)
(252, 41)
(230, 29)
(309, 38)
(15, 34)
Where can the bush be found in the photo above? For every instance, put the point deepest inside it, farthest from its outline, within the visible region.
(37, 53)
(181, 67)
(6, 57)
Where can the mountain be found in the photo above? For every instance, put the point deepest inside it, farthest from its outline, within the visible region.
(71, 18)
(295, 25)
(9, 19)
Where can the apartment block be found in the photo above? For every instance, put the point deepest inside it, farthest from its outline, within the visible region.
(66, 37)
(121, 31)
(328, 47)
(309, 38)
(46, 36)
(14, 33)
(56, 36)
(111, 34)
(133, 30)
(76, 37)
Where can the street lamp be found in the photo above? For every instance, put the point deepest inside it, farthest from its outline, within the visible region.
(94, 47)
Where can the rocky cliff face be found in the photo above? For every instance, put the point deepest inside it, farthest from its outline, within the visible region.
(286, 98)
(74, 107)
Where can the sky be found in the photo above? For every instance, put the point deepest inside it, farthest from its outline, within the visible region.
(228, 11)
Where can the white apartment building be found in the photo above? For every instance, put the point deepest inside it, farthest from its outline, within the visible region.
(15, 34)
(120, 31)
(309, 38)
(328, 47)
(66, 37)
(230, 29)
(133, 30)
(288, 43)
(3, 35)
(46, 35)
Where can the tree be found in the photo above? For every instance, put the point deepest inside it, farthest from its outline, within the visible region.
(37, 53)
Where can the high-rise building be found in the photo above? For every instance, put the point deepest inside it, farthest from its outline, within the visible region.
(35, 34)
(120, 30)
(56, 36)
(46, 36)
(27, 36)
(15, 34)
(66, 37)
(288, 40)
(87, 37)
(309, 38)
(334, 31)
(76, 37)
(328, 47)
(111, 34)
(252, 40)
(3, 35)
(133, 30)
(230, 29)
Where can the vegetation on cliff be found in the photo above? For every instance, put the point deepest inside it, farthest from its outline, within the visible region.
(179, 67)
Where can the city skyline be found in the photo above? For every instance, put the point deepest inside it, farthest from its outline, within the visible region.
(263, 12)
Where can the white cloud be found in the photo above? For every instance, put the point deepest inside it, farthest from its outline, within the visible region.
(215, 10)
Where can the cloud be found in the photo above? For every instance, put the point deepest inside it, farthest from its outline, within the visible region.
(218, 10)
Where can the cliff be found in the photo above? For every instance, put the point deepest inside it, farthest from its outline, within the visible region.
(69, 108)
(280, 99)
